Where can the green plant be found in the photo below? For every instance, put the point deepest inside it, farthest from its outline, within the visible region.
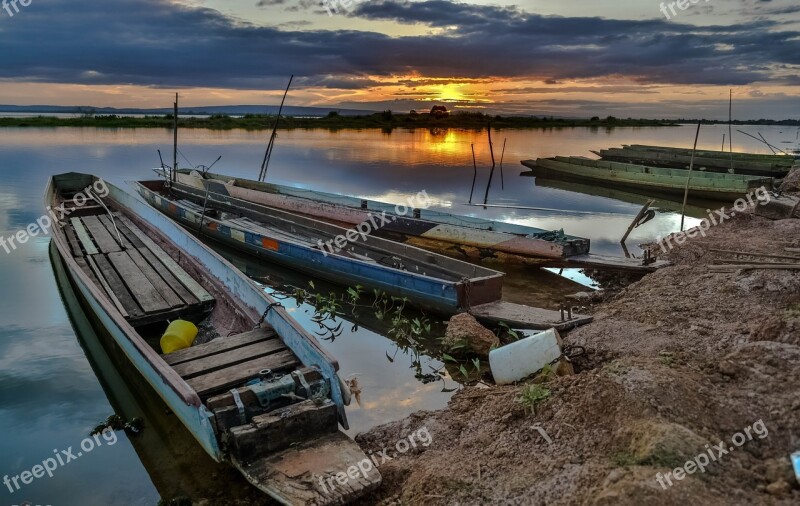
(666, 358)
(531, 395)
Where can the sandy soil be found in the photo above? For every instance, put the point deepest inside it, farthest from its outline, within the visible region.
(676, 362)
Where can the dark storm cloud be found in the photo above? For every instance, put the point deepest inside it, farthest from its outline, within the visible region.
(158, 43)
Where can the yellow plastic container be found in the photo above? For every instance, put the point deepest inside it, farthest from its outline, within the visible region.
(180, 334)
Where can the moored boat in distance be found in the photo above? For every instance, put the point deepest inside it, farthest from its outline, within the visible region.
(254, 389)
(779, 160)
(428, 280)
(713, 161)
(445, 233)
(707, 185)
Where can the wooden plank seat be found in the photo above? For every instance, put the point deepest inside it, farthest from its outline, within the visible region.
(228, 362)
(143, 282)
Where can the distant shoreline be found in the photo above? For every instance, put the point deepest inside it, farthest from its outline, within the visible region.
(386, 120)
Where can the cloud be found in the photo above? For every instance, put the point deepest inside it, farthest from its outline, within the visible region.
(160, 43)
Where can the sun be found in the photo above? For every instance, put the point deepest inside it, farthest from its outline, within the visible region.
(450, 93)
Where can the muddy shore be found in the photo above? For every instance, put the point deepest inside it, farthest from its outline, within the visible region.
(676, 363)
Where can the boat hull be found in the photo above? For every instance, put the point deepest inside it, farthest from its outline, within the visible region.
(182, 400)
(655, 180)
(436, 294)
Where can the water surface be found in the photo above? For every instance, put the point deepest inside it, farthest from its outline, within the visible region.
(50, 395)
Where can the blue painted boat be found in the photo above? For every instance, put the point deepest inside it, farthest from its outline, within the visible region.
(253, 377)
(327, 251)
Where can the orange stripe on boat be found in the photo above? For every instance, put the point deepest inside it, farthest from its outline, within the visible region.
(212, 225)
(269, 243)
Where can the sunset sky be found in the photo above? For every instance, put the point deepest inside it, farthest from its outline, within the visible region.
(561, 57)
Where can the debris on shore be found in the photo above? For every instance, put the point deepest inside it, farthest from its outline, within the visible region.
(678, 362)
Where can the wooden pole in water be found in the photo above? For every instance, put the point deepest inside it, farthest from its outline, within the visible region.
(175, 141)
(475, 176)
(689, 175)
(730, 132)
(502, 154)
(723, 143)
(491, 173)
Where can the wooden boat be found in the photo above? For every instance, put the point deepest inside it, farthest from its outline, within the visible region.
(176, 465)
(704, 161)
(428, 280)
(706, 185)
(778, 160)
(433, 230)
(255, 389)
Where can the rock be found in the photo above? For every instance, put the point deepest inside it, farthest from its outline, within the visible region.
(779, 488)
(465, 334)
(791, 183)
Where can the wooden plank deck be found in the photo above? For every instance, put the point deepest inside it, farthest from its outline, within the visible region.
(227, 362)
(83, 237)
(142, 290)
(230, 377)
(139, 278)
(219, 345)
(104, 240)
(176, 270)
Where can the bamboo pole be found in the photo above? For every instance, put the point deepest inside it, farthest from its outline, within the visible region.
(175, 141)
(730, 123)
(502, 154)
(689, 175)
(475, 175)
(491, 173)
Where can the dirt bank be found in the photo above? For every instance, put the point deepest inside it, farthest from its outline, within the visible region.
(677, 362)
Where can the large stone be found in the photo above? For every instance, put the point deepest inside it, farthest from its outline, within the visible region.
(465, 335)
(791, 183)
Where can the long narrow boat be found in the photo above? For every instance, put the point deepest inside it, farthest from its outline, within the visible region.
(681, 160)
(255, 389)
(428, 280)
(778, 160)
(433, 230)
(708, 185)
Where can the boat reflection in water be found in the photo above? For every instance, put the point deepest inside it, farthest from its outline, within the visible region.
(177, 465)
(695, 208)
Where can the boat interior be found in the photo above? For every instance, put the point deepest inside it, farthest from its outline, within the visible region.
(151, 282)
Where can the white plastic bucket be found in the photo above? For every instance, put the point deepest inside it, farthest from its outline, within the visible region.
(522, 358)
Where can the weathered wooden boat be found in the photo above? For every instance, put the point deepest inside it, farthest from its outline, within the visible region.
(428, 280)
(255, 389)
(778, 160)
(174, 462)
(707, 185)
(433, 230)
(702, 161)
